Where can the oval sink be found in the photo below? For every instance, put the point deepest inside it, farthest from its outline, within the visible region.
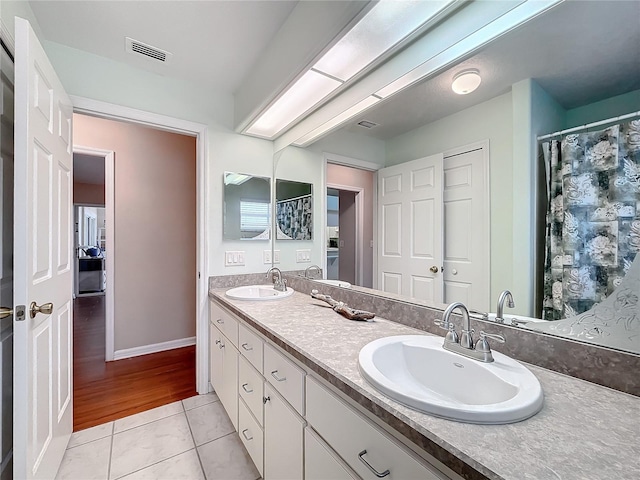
(336, 283)
(258, 292)
(416, 371)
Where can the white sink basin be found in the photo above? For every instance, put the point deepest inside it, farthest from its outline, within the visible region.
(416, 371)
(336, 283)
(258, 292)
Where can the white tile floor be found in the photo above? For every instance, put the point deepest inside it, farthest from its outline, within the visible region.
(192, 440)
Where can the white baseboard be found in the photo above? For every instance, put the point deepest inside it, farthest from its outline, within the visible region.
(154, 348)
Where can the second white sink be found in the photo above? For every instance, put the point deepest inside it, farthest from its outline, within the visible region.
(257, 292)
(415, 370)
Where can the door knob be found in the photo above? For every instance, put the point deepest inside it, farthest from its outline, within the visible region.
(434, 269)
(34, 309)
(5, 312)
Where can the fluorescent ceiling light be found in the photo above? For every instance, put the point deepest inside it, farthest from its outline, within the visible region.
(336, 121)
(383, 27)
(386, 24)
(235, 178)
(493, 30)
(304, 94)
(466, 81)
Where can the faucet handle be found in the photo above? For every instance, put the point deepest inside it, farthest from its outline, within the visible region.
(493, 336)
(442, 324)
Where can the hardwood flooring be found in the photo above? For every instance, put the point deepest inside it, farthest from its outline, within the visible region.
(105, 391)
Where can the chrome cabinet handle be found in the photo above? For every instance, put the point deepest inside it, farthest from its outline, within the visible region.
(217, 342)
(220, 320)
(244, 387)
(265, 400)
(221, 346)
(274, 374)
(373, 470)
(246, 347)
(244, 434)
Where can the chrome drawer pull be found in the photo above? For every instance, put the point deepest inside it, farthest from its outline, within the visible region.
(373, 470)
(266, 399)
(221, 346)
(244, 434)
(274, 375)
(217, 342)
(220, 320)
(247, 347)
(244, 387)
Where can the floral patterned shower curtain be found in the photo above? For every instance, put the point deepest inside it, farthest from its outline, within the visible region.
(593, 216)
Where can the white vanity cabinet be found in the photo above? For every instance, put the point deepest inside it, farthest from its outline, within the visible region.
(283, 438)
(223, 358)
(292, 424)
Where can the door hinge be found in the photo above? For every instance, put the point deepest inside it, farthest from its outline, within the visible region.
(20, 312)
(198, 275)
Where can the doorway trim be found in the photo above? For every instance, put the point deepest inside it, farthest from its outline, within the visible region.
(112, 111)
(359, 191)
(110, 215)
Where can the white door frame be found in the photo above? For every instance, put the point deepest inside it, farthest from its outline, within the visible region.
(110, 215)
(200, 131)
(359, 229)
(361, 165)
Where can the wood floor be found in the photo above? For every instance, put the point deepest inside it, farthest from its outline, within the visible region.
(105, 391)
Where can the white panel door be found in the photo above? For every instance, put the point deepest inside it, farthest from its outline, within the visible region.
(43, 406)
(410, 220)
(466, 221)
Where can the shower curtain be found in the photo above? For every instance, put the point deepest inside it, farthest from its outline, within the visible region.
(593, 216)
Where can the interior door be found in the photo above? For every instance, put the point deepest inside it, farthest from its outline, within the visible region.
(42, 262)
(410, 219)
(466, 219)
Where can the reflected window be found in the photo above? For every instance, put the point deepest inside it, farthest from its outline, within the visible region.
(254, 216)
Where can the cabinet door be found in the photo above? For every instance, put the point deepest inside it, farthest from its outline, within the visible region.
(283, 439)
(320, 463)
(229, 392)
(215, 358)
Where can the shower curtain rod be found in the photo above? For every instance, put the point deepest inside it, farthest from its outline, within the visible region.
(589, 125)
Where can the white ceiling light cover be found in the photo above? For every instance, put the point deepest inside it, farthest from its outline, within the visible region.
(388, 23)
(304, 94)
(466, 81)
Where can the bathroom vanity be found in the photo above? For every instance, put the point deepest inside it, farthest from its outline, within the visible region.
(287, 374)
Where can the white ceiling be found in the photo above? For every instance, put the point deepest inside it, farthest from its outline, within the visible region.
(88, 169)
(212, 42)
(580, 52)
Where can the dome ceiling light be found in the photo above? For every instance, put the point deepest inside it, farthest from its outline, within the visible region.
(466, 81)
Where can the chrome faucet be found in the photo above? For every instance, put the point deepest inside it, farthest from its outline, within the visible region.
(464, 344)
(314, 268)
(505, 295)
(279, 284)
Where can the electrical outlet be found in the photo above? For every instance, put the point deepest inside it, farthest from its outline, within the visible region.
(234, 258)
(266, 257)
(303, 256)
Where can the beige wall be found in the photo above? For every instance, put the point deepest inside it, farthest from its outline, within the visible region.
(88, 193)
(155, 229)
(354, 177)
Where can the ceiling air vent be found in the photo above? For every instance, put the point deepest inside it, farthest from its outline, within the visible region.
(367, 124)
(139, 48)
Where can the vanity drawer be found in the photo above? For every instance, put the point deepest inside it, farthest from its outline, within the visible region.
(251, 435)
(287, 378)
(251, 388)
(358, 441)
(320, 462)
(225, 321)
(251, 346)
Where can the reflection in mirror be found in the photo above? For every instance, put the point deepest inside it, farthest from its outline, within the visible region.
(294, 210)
(536, 80)
(247, 207)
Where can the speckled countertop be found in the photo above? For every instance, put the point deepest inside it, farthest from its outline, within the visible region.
(584, 431)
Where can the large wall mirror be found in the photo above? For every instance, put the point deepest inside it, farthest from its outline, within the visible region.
(576, 83)
(247, 207)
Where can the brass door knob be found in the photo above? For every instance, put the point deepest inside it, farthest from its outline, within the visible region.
(34, 309)
(434, 269)
(5, 312)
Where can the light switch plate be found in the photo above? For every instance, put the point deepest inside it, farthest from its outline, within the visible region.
(266, 257)
(234, 258)
(303, 256)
